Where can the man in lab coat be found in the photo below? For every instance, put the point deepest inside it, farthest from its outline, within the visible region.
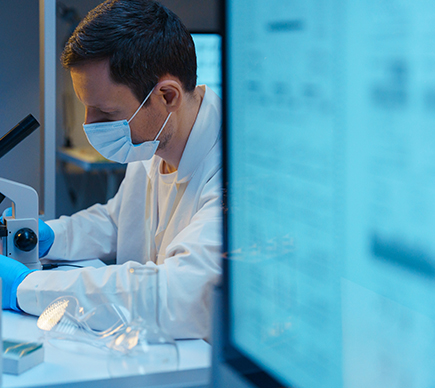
(133, 66)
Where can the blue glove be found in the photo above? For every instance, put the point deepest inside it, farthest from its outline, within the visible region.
(46, 234)
(46, 238)
(12, 273)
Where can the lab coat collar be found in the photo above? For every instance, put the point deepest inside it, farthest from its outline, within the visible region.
(205, 133)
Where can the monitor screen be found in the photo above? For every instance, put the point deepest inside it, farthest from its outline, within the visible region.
(330, 181)
(208, 56)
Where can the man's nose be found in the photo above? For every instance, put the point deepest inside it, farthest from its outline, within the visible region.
(90, 116)
(86, 116)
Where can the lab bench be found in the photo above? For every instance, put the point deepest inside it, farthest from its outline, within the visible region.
(67, 369)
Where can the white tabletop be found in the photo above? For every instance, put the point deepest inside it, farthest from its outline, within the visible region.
(61, 367)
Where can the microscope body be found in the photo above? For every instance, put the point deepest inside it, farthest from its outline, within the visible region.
(19, 231)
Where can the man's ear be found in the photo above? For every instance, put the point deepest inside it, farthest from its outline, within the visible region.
(171, 94)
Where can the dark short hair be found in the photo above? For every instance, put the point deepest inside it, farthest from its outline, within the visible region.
(143, 41)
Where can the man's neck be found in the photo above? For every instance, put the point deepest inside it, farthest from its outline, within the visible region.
(167, 169)
(184, 121)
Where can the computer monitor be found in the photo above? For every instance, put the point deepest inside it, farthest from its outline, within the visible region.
(208, 56)
(330, 180)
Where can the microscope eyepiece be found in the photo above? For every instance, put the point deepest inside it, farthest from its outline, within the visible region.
(18, 133)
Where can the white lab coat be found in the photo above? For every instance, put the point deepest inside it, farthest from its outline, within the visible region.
(187, 249)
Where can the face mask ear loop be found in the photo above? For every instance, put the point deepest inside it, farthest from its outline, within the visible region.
(141, 105)
(163, 126)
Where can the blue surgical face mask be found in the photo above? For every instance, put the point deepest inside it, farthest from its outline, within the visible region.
(112, 139)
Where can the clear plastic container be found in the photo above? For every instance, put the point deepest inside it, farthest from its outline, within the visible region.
(143, 347)
(66, 325)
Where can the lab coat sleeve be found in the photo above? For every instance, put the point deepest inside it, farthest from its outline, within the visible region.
(188, 272)
(87, 234)
(191, 268)
(91, 286)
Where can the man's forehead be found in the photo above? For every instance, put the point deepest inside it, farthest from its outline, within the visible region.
(94, 86)
(89, 73)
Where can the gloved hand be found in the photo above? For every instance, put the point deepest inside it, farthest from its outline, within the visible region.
(46, 234)
(12, 273)
(46, 238)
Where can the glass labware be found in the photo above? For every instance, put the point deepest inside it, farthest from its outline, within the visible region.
(65, 324)
(143, 347)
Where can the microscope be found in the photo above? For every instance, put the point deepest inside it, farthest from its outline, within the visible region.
(19, 231)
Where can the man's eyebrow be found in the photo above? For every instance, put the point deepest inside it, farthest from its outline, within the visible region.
(104, 109)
